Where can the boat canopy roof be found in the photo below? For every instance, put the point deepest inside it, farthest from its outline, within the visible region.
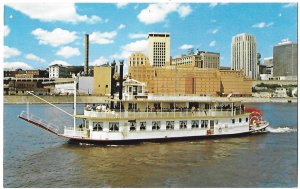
(179, 99)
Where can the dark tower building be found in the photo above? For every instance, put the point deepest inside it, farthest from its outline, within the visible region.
(86, 53)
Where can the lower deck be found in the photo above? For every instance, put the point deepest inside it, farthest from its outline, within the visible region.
(155, 140)
(162, 128)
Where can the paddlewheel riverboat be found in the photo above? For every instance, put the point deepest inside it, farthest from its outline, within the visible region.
(139, 118)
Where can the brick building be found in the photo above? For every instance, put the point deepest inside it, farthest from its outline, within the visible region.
(177, 80)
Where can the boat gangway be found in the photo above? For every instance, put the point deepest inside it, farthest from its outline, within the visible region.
(39, 122)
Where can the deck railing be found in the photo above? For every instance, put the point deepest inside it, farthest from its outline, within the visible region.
(69, 131)
(41, 122)
(174, 114)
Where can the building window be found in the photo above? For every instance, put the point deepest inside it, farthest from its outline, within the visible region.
(97, 126)
(155, 125)
(113, 126)
(183, 124)
(170, 125)
(195, 124)
(132, 126)
(204, 123)
(143, 125)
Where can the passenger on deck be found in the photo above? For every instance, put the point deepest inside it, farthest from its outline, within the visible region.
(193, 109)
(98, 108)
(94, 107)
(87, 107)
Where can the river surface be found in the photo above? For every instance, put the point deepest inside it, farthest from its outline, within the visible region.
(35, 158)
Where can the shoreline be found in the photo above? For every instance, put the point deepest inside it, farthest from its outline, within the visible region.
(23, 99)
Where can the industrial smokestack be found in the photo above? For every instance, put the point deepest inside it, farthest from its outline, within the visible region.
(86, 53)
(121, 80)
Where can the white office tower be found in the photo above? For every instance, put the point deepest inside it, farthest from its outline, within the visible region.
(159, 49)
(244, 54)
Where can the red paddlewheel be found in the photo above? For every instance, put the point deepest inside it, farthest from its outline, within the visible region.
(255, 115)
(252, 110)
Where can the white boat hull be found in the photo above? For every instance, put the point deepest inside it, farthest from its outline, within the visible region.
(165, 135)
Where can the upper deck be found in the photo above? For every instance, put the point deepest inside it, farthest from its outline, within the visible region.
(112, 115)
(164, 107)
(155, 98)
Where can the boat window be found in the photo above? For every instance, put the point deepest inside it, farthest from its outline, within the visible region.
(183, 124)
(169, 125)
(132, 126)
(157, 106)
(143, 125)
(113, 126)
(86, 122)
(155, 125)
(240, 120)
(204, 123)
(246, 119)
(97, 126)
(195, 123)
(233, 120)
(132, 106)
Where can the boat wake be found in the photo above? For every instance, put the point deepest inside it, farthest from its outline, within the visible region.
(85, 144)
(281, 130)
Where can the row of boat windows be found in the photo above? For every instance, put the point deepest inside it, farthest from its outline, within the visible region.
(240, 120)
(156, 125)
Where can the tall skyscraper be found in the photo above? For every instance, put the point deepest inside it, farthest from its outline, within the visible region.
(244, 54)
(159, 48)
(285, 59)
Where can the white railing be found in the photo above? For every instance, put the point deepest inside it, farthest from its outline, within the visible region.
(69, 131)
(133, 115)
(176, 98)
(40, 121)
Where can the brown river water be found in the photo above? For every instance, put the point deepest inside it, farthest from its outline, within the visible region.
(34, 158)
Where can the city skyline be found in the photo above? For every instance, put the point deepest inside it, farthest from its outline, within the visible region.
(33, 32)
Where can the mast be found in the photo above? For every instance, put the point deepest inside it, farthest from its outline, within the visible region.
(75, 96)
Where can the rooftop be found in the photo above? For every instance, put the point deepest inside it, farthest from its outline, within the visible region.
(157, 34)
(285, 42)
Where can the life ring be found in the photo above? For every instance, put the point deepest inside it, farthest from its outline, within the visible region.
(255, 121)
(208, 132)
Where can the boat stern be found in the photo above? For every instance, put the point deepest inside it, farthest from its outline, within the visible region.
(259, 127)
(70, 132)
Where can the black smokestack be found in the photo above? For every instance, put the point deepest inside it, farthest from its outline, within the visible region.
(112, 83)
(86, 53)
(121, 80)
(112, 79)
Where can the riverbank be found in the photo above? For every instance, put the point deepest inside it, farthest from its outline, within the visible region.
(97, 99)
(16, 99)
